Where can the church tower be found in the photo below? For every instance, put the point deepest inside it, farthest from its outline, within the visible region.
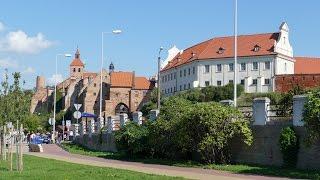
(76, 66)
(111, 67)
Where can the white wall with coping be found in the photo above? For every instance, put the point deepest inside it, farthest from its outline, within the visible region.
(260, 111)
(298, 106)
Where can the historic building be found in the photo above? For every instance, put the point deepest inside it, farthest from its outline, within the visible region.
(123, 92)
(261, 59)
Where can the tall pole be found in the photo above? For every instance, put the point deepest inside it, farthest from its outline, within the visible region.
(100, 106)
(235, 53)
(54, 102)
(158, 80)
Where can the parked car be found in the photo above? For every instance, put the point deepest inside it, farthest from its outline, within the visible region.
(46, 139)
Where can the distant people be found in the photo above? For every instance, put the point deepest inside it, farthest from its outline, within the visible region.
(32, 137)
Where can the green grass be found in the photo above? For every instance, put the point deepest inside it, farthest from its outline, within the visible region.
(41, 168)
(240, 169)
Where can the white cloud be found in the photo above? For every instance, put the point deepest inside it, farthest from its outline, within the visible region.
(29, 70)
(52, 80)
(8, 63)
(2, 27)
(20, 42)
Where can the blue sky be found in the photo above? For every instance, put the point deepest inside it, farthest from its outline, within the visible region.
(146, 25)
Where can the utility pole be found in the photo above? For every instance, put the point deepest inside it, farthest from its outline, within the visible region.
(235, 53)
(158, 80)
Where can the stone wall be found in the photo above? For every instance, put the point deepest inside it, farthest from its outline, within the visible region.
(104, 142)
(265, 148)
(284, 83)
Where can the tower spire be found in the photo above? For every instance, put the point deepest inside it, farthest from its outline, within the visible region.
(77, 55)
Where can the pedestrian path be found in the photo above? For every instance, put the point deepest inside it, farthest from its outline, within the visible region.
(53, 151)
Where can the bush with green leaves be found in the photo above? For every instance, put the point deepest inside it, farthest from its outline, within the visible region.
(186, 130)
(289, 146)
(132, 139)
(311, 117)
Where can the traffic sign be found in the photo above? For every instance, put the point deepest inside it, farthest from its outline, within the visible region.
(77, 106)
(51, 121)
(68, 123)
(77, 114)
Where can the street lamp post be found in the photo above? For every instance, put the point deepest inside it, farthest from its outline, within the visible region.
(158, 81)
(235, 53)
(102, 55)
(55, 97)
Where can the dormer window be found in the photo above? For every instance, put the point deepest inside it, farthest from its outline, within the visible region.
(193, 54)
(220, 50)
(256, 48)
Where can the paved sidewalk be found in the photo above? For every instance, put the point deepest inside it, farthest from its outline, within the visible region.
(53, 151)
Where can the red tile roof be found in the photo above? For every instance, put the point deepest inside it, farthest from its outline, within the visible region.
(210, 49)
(121, 79)
(76, 62)
(307, 65)
(124, 79)
(142, 83)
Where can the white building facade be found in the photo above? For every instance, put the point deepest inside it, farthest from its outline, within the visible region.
(211, 63)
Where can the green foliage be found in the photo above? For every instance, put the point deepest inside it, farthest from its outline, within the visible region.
(186, 130)
(14, 102)
(132, 139)
(311, 116)
(289, 146)
(146, 108)
(211, 93)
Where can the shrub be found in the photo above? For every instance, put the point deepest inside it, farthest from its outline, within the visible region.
(132, 139)
(289, 146)
(311, 116)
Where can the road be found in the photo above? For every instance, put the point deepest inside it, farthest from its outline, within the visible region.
(53, 151)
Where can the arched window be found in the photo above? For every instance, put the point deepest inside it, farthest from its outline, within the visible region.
(122, 108)
(74, 69)
(79, 70)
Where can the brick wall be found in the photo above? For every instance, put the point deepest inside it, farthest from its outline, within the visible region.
(284, 83)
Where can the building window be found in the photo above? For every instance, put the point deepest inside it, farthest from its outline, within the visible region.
(230, 81)
(242, 82)
(180, 73)
(285, 67)
(189, 71)
(171, 89)
(219, 68)
(180, 87)
(207, 83)
(74, 69)
(256, 48)
(171, 76)
(95, 85)
(194, 70)
(207, 68)
(266, 81)
(79, 70)
(242, 66)
(184, 87)
(267, 65)
(94, 94)
(254, 81)
(189, 86)
(175, 75)
(255, 66)
(174, 89)
(231, 67)
(165, 78)
(184, 72)
(162, 78)
(218, 83)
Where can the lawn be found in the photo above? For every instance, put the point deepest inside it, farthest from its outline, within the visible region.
(240, 169)
(41, 168)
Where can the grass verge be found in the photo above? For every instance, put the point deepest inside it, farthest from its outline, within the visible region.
(41, 168)
(240, 169)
